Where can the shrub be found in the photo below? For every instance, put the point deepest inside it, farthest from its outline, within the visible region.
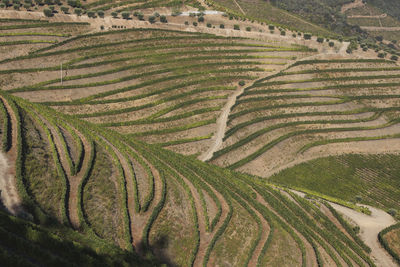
(163, 19)
(222, 26)
(125, 15)
(47, 12)
(331, 44)
(156, 14)
(236, 27)
(320, 40)
(209, 25)
(271, 27)
(52, 7)
(26, 6)
(358, 198)
(365, 48)
(17, 6)
(100, 13)
(242, 83)
(2, 5)
(91, 14)
(248, 29)
(194, 23)
(283, 33)
(72, 3)
(307, 36)
(294, 35)
(272, 32)
(379, 38)
(186, 22)
(58, 2)
(64, 9)
(78, 11)
(136, 13)
(356, 229)
(200, 19)
(152, 19)
(114, 14)
(394, 58)
(102, 27)
(392, 212)
(140, 16)
(381, 55)
(47, 2)
(192, 14)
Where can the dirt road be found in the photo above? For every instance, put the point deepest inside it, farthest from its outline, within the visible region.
(370, 227)
(9, 195)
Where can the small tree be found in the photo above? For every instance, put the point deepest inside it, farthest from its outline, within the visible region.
(17, 6)
(283, 33)
(381, 55)
(331, 44)
(163, 19)
(392, 212)
(78, 11)
(114, 14)
(26, 6)
(156, 14)
(209, 25)
(242, 83)
(222, 26)
(394, 58)
(125, 15)
(186, 23)
(2, 5)
(271, 27)
(320, 40)
(358, 198)
(294, 35)
(236, 27)
(64, 9)
(195, 23)
(200, 19)
(152, 19)
(100, 13)
(248, 29)
(47, 12)
(307, 36)
(91, 14)
(58, 2)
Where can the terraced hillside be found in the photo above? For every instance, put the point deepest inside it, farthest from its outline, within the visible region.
(84, 123)
(161, 87)
(141, 197)
(311, 109)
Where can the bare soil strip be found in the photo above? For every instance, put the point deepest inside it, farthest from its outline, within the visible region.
(8, 186)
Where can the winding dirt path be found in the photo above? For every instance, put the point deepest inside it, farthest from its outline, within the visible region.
(8, 187)
(370, 226)
(221, 125)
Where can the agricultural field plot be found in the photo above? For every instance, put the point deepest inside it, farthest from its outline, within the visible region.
(212, 209)
(313, 108)
(162, 87)
(390, 239)
(19, 37)
(375, 21)
(354, 178)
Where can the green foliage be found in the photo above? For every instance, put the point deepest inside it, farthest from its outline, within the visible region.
(236, 27)
(385, 244)
(47, 12)
(125, 15)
